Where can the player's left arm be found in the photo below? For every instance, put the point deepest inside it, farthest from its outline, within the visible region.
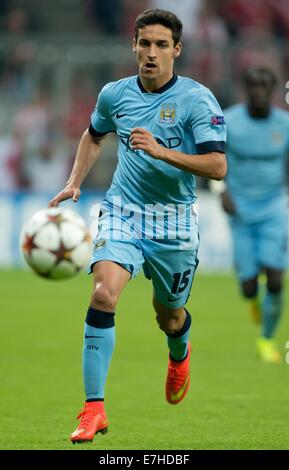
(211, 165)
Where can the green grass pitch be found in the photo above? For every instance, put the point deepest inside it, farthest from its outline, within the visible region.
(234, 401)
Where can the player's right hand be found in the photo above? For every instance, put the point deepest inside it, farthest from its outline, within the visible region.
(227, 203)
(69, 192)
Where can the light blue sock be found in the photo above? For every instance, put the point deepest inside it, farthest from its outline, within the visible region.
(178, 342)
(271, 313)
(99, 340)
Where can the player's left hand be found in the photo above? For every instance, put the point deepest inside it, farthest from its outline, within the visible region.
(141, 139)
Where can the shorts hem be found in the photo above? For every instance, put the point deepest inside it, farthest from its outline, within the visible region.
(178, 303)
(125, 266)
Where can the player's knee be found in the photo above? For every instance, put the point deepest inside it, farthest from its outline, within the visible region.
(103, 298)
(250, 288)
(274, 280)
(274, 285)
(249, 293)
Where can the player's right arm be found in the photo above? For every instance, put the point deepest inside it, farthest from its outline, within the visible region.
(89, 147)
(219, 188)
(88, 151)
(227, 203)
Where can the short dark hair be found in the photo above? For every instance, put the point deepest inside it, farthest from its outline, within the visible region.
(163, 17)
(259, 74)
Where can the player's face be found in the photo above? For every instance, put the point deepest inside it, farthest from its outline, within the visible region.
(259, 92)
(155, 51)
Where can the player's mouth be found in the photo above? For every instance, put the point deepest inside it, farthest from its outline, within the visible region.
(149, 67)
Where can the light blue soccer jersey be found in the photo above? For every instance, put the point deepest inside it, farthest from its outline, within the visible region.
(183, 115)
(257, 149)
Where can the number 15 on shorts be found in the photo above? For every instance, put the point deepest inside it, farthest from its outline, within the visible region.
(180, 281)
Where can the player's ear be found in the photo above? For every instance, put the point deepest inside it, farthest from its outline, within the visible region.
(134, 45)
(177, 50)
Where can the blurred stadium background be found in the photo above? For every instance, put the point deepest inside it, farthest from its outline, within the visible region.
(54, 58)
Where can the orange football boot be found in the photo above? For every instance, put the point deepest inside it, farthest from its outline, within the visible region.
(178, 379)
(93, 420)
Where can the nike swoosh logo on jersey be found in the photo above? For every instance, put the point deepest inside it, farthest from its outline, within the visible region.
(176, 396)
(86, 336)
(120, 115)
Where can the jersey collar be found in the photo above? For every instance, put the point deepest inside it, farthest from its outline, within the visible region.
(163, 88)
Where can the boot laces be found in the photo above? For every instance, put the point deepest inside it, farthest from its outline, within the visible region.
(85, 417)
(176, 379)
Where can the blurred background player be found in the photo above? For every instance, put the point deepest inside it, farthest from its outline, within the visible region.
(256, 201)
(186, 119)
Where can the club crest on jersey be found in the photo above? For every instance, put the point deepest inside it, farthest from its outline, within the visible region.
(99, 244)
(217, 120)
(168, 113)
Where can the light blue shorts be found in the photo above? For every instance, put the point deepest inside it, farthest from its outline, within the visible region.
(170, 264)
(260, 245)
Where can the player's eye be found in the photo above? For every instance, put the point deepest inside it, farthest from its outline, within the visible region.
(144, 43)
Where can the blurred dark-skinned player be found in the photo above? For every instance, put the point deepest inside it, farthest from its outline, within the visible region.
(255, 200)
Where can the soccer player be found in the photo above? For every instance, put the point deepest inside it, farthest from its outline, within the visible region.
(169, 129)
(256, 201)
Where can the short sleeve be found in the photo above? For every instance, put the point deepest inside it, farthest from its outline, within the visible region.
(208, 124)
(101, 119)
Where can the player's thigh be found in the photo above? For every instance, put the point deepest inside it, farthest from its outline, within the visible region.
(116, 246)
(113, 262)
(245, 249)
(273, 246)
(112, 268)
(171, 265)
(109, 278)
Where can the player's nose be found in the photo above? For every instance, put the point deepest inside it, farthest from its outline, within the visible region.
(152, 53)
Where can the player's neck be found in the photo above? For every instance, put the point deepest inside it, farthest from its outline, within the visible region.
(259, 113)
(152, 85)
